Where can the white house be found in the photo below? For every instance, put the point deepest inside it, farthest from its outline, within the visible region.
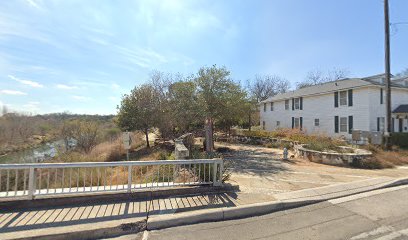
(336, 108)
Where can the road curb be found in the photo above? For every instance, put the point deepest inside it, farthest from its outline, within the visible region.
(257, 209)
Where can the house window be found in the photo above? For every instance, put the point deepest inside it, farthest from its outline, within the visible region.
(297, 123)
(286, 104)
(297, 103)
(277, 123)
(343, 124)
(343, 98)
(263, 125)
(317, 122)
(264, 107)
(382, 124)
(271, 106)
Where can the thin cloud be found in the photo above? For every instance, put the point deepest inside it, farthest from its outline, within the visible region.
(115, 86)
(113, 99)
(12, 92)
(33, 4)
(80, 98)
(26, 82)
(66, 87)
(32, 106)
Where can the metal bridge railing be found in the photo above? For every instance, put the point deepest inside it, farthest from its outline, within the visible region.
(54, 179)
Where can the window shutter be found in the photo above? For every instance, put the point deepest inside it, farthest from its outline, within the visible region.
(336, 124)
(381, 96)
(301, 123)
(378, 124)
(336, 99)
(293, 104)
(301, 103)
(350, 97)
(293, 122)
(350, 124)
(271, 106)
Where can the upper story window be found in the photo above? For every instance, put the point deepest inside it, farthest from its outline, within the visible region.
(381, 96)
(316, 122)
(271, 106)
(297, 103)
(343, 98)
(287, 104)
(264, 107)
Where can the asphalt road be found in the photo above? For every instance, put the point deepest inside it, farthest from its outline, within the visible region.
(381, 214)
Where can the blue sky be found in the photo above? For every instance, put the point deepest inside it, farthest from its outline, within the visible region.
(81, 56)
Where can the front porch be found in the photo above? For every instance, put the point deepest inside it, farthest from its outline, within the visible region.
(400, 118)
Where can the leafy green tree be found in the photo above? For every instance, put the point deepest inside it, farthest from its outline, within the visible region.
(138, 110)
(216, 94)
(235, 108)
(185, 109)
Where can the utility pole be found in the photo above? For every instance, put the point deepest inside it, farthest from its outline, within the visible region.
(387, 76)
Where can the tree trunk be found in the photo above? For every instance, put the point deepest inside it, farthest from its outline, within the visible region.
(209, 143)
(147, 138)
(249, 121)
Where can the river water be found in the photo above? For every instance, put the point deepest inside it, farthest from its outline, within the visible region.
(34, 155)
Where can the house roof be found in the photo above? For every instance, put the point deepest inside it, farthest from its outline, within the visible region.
(332, 86)
(401, 109)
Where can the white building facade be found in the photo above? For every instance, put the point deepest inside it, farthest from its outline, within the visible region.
(336, 108)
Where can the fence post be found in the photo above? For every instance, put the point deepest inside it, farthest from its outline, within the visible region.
(129, 187)
(31, 183)
(215, 171)
(221, 170)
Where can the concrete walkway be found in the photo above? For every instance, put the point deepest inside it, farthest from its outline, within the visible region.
(261, 173)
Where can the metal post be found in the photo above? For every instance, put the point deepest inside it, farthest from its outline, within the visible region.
(388, 118)
(129, 188)
(215, 183)
(31, 183)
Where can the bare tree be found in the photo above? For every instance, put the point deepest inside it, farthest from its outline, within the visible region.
(265, 86)
(315, 77)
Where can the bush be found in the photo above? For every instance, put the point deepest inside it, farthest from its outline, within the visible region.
(400, 139)
(371, 163)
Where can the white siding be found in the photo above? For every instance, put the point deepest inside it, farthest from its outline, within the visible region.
(365, 110)
(398, 97)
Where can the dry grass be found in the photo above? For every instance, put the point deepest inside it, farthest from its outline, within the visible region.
(384, 159)
(318, 142)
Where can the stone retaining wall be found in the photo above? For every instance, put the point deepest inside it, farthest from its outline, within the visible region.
(183, 145)
(252, 140)
(332, 158)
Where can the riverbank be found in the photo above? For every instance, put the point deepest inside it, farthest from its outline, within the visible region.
(34, 141)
